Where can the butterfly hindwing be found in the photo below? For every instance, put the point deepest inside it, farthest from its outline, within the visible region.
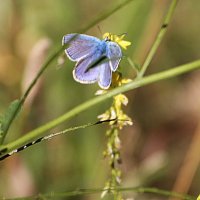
(80, 45)
(105, 75)
(114, 54)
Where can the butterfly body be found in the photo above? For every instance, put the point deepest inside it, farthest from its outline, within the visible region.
(95, 59)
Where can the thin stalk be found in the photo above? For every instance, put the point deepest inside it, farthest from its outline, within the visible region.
(81, 192)
(159, 37)
(104, 15)
(52, 135)
(38, 132)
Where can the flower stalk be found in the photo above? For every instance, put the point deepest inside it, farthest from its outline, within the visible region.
(112, 151)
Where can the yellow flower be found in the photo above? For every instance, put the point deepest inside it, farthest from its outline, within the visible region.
(118, 39)
(116, 112)
(117, 79)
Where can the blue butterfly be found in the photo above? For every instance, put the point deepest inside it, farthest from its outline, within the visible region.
(95, 59)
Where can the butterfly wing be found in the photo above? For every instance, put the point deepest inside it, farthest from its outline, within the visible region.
(105, 75)
(86, 71)
(80, 45)
(114, 54)
(88, 51)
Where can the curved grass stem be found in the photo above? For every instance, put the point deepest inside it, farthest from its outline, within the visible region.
(38, 132)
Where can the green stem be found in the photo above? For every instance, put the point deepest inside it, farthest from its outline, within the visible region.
(159, 38)
(81, 192)
(54, 56)
(105, 15)
(23, 98)
(38, 132)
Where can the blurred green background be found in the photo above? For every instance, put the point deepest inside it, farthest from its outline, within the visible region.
(165, 114)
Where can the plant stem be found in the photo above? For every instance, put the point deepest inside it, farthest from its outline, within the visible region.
(38, 132)
(81, 192)
(159, 38)
(104, 15)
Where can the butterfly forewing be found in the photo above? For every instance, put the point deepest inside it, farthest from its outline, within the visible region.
(80, 46)
(85, 71)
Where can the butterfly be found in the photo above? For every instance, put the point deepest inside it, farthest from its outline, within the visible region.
(95, 59)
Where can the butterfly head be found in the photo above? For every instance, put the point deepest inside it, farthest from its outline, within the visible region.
(108, 37)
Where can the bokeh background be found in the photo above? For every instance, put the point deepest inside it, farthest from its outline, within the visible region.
(161, 149)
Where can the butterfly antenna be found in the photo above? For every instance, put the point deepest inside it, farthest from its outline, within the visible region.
(99, 29)
(122, 34)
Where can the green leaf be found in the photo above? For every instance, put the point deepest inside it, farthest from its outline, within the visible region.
(7, 117)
